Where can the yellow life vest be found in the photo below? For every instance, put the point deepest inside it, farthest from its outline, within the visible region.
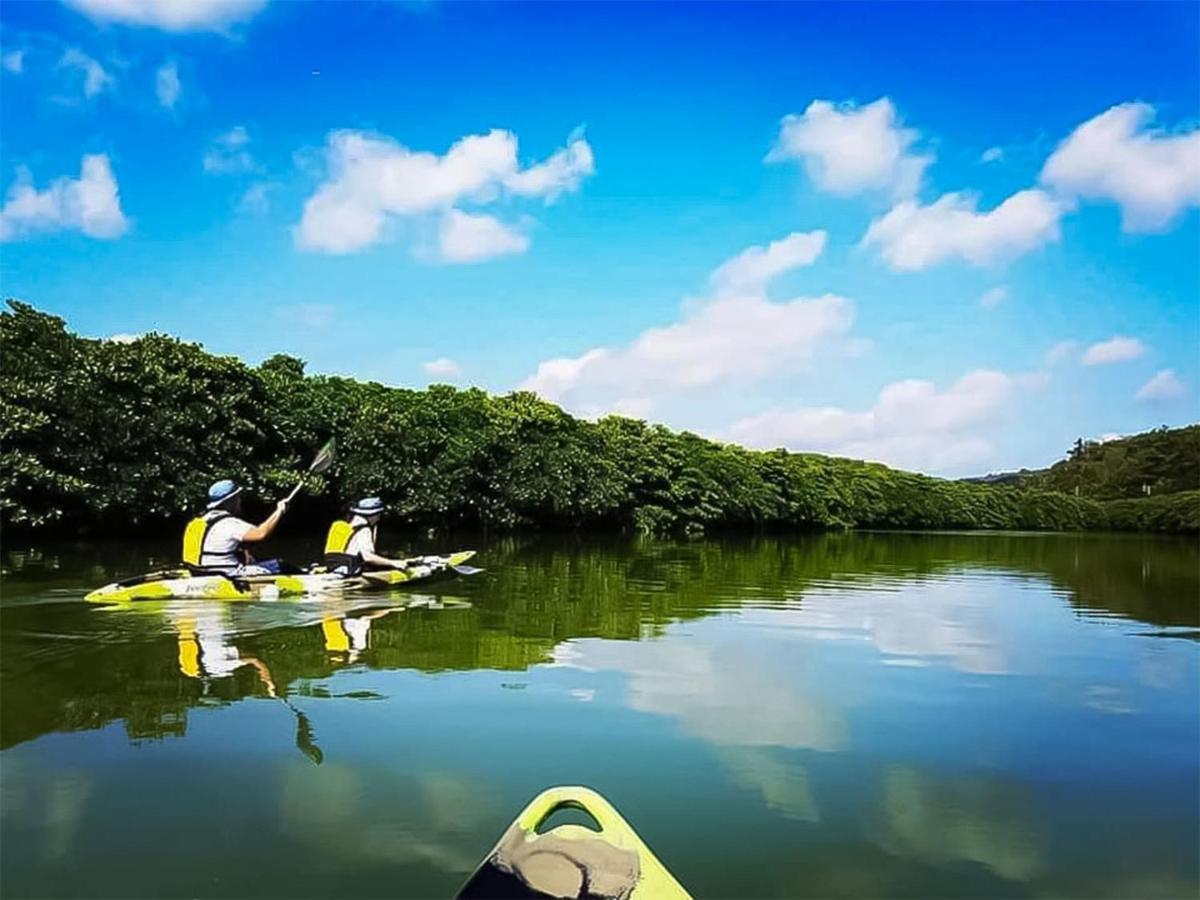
(340, 533)
(194, 537)
(337, 543)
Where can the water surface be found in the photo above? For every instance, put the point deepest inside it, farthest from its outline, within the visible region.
(857, 715)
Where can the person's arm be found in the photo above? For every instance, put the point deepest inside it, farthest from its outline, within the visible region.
(263, 531)
(370, 556)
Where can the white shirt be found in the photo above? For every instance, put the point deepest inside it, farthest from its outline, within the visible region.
(223, 541)
(363, 541)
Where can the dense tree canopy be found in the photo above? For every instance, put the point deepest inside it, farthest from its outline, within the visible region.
(103, 436)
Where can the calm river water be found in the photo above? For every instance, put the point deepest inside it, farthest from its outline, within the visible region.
(861, 715)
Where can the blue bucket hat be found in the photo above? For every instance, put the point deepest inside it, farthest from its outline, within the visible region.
(368, 506)
(221, 491)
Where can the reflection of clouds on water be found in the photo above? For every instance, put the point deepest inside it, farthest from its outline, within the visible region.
(52, 801)
(748, 698)
(940, 820)
(1160, 668)
(938, 619)
(337, 812)
(784, 786)
(729, 693)
(1108, 699)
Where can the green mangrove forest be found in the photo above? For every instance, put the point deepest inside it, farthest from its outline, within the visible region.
(104, 437)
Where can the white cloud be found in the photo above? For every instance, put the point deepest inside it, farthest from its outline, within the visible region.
(912, 425)
(372, 178)
(229, 153)
(257, 198)
(750, 270)
(721, 339)
(848, 149)
(95, 79)
(171, 15)
(465, 238)
(912, 237)
(13, 61)
(123, 338)
(564, 171)
(1114, 350)
(992, 154)
(443, 367)
(1117, 156)
(1165, 385)
(90, 203)
(994, 297)
(166, 84)
(1061, 351)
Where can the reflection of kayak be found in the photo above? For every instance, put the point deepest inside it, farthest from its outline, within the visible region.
(572, 860)
(175, 584)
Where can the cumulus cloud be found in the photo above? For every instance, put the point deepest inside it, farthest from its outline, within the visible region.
(95, 79)
(13, 61)
(443, 367)
(372, 178)
(913, 237)
(123, 338)
(1153, 175)
(729, 336)
(166, 84)
(170, 15)
(992, 154)
(751, 270)
(563, 171)
(994, 297)
(847, 149)
(256, 199)
(229, 153)
(1164, 386)
(1061, 351)
(90, 203)
(912, 425)
(1114, 350)
(465, 238)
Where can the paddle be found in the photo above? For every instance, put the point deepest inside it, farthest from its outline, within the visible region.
(323, 461)
(459, 569)
(305, 740)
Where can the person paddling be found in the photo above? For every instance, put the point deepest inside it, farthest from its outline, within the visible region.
(350, 544)
(216, 541)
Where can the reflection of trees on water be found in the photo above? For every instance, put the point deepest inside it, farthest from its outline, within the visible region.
(535, 595)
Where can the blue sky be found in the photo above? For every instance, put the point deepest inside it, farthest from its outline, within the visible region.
(953, 238)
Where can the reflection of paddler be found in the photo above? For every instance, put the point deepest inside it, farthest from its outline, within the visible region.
(206, 652)
(348, 636)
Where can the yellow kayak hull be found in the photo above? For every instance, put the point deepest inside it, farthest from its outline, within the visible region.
(181, 585)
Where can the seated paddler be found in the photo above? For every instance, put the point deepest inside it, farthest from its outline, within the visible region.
(350, 544)
(217, 540)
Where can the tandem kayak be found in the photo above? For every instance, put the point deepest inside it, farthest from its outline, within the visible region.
(180, 584)
(572, 860)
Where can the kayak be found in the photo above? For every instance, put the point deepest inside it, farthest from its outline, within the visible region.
(180, 584)
(572, 860)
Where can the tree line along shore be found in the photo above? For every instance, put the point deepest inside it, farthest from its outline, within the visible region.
(99, 437)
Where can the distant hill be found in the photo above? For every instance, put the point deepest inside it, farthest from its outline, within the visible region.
(1162, 461)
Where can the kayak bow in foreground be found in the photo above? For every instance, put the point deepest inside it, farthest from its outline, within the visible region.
(180, 584)
(572, 860)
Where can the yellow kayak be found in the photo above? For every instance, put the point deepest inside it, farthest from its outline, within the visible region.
(572, 860)
(180, 584)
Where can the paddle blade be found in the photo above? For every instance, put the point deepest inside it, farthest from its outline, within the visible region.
(324, 458)
(305, 740)
(466, 570)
